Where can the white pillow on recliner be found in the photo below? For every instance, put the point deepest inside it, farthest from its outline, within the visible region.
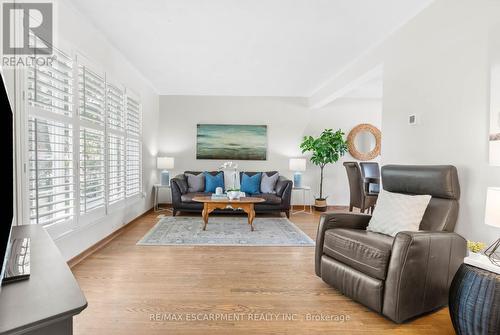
(397, 212)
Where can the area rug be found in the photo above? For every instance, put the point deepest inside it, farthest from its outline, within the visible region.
(226, 231)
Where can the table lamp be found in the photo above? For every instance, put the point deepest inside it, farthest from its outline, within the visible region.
(165, 164)
(297, 165)
(492, 218)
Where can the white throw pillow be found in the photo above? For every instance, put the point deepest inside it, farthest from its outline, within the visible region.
(397, 212)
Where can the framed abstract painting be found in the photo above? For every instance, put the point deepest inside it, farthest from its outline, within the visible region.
(231, 141)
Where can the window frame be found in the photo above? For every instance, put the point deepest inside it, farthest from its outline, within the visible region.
(78, 219)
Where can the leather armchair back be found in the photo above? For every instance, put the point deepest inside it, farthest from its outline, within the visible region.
(439, 181)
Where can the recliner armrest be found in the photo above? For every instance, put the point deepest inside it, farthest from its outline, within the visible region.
(420, 272)
(336, 220)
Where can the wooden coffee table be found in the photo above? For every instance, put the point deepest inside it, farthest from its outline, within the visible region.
(246, 204)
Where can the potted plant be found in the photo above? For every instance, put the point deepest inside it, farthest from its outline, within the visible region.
(475, 248)
(326, 149)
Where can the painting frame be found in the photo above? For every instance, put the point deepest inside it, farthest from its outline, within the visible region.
(231, 142)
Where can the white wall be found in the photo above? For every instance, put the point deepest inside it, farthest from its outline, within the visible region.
(345, 114)
(437, 66)
(75, 32)
(288, 120)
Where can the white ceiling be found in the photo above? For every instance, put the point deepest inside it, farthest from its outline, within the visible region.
(245, 47)
(372, 89)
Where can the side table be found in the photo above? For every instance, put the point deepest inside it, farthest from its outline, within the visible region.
(156, 190)
(304, 189)
(474, 300)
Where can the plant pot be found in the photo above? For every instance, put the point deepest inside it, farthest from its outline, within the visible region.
(320, 205)
(475, 255)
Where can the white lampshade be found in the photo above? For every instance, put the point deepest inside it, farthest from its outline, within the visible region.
(165, 163)
(492, 215)
(297, 164)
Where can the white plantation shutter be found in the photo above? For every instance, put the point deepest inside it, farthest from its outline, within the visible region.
(133, 117)
(51, 192)
(133, 146)
(84, 143)
(115, 108)
(50, 88)
(133, 167)
(91, 92)
(92, 171)
(50, 105)
(91, 111)
(116, 168)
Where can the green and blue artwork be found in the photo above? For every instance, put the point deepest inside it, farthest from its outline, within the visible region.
(228, 141)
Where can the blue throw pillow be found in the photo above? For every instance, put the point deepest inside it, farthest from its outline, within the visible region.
(250, 184)
(212, 182)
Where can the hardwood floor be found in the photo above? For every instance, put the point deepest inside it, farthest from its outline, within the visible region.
(135, 289)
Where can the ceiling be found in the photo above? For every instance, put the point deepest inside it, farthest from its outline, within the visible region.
(371, 89)
(245, 47)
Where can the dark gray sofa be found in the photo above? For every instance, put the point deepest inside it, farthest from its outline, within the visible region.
(182, 201)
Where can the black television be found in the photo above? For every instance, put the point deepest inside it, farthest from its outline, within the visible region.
(7, 181)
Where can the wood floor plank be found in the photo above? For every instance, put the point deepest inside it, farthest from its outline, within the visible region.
(133, 289)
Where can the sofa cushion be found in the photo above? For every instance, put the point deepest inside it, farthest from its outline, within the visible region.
(268, 183)
(188, 197)
(212, 182)
(270, 199)
(362, 250)
(250, 184)
(196, 182)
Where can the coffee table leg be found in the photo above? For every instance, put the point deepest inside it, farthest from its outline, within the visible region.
(251, 216)
(205, 216)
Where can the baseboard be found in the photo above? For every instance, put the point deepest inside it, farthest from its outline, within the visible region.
(103, 242)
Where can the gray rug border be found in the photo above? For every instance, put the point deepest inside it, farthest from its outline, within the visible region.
(151, 230)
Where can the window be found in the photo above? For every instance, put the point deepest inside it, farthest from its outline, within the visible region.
(116, 142)
(91, 92)
(92, 171)
(133, 146)
(50, 141)
(116, 117)
(50, 171)
(116, 168)
(91, 109)
(84, 142)
(133, 167)
(50, 87)
(133, 117)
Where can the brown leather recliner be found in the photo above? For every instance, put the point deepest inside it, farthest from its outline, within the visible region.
(402, 276)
